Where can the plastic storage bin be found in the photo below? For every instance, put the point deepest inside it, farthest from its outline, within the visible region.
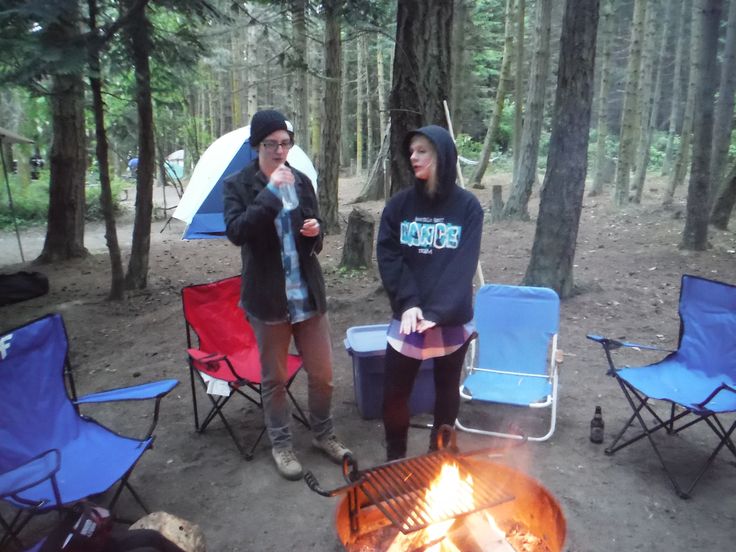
(367, 347)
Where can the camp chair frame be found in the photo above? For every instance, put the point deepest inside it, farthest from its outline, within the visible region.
(21, 481)
(542, 371)
(212, 363)
(677, 415)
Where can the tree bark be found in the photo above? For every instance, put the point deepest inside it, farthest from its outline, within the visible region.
(460, 71)
(382, 107)
(329, 157)
(725, 201)
(630, 120)
(345, 149)
(357, 251)
(553, 251)
(517, 205)
(651, 67)
(606, 44)
(140, 43)
(519, 83)
(369, 105)
(695, 234)
(360, 84)
(725, 103)
(117, 275)
(374, 187)
(681, 60)
(421, 76)
(503, 82)
(65, 220)
(299, 60)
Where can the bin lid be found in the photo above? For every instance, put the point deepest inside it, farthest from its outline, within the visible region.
(367, 339)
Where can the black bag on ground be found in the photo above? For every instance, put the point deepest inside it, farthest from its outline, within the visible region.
(20, 286)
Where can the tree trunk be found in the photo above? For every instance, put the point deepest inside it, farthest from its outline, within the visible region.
(236, 79)
(251, 53)
(724, 106)
(683, 154)
(117, 288)
(681, 60)
(553, 251)
(345, 150)
(329, 157)
(140, 43)
(601, 146)
(695, 234)
(519, 82)
(382, 107)
(421, 75)
(457, 101)
(68, 159)
(630, 120)
(725, 201)
(662, 102)
(374, 187)
(503, 82)
(517, 205)
(299, 59)
(357, 250)
(360, 75)
(369, 105)
(651, 68)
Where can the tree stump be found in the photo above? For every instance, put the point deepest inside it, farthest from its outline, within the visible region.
(496, 203)
(358, 247)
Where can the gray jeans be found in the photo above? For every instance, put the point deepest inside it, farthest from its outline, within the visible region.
(312, 339)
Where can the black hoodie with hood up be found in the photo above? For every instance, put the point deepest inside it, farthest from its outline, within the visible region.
(428, 247)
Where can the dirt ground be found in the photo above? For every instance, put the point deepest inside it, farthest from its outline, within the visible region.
(628, 270)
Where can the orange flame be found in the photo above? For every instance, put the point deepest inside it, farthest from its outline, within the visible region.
(447, 495)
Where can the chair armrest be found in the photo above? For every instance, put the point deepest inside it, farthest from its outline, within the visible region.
(716, 391)
(31, 473)
(212, 362)
(153, 390)
(612, 344)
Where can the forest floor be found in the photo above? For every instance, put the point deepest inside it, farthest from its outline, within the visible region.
(627, 271)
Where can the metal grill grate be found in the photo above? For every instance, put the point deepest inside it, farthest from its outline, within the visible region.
(399, 488)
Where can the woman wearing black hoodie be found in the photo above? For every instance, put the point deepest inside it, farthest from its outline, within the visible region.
(428, 249)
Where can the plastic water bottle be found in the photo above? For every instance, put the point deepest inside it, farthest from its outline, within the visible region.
(289, 198)
(596, 426)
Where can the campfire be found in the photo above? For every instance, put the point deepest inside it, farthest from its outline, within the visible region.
(445, 501)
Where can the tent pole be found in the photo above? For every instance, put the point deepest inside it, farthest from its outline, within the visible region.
(10, 200)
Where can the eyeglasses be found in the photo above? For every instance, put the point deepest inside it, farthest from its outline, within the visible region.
(273, 146)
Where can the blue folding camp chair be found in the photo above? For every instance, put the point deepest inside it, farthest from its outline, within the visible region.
(698, 380)
(50, 455)
(517, 360)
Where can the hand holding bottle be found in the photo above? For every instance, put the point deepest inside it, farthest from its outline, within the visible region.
(283, 179)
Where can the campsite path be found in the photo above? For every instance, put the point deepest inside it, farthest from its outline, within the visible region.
(32, 238)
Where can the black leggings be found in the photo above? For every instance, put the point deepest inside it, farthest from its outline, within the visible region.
(400, 373)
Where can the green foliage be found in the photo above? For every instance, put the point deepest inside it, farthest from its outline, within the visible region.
(350, 273)
(31, 201)
(467, 147)
(93, 209)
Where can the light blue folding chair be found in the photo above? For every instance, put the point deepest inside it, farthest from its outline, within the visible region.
(50, 455)
(697, 382)
(517, 360)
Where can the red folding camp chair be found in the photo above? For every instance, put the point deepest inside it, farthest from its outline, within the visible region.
(225, 356)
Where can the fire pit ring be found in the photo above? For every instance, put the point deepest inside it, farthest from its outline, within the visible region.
(534, 509)
(382, 501)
